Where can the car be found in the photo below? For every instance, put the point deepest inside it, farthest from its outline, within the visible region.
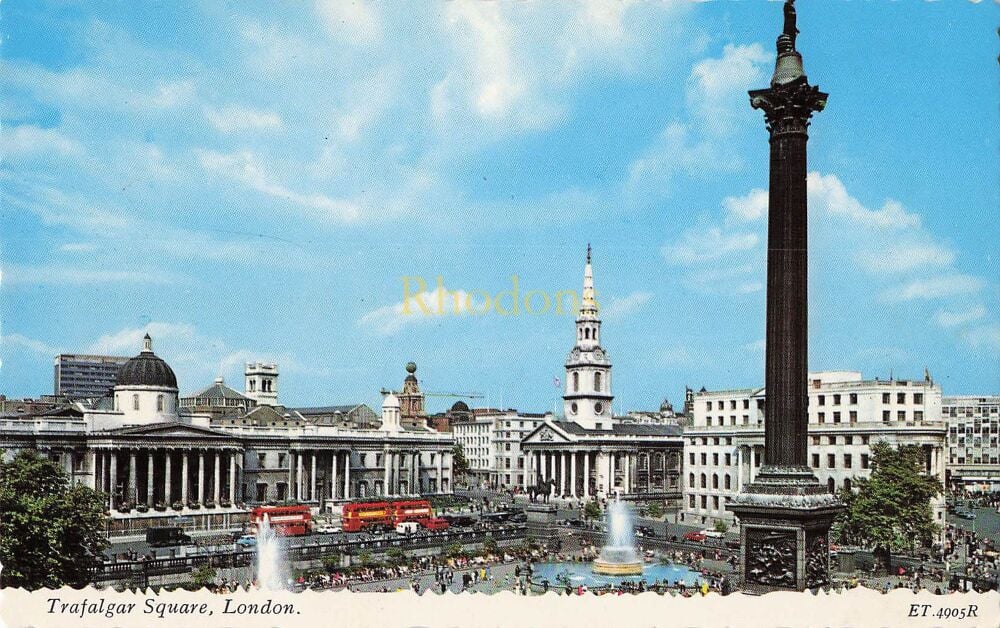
(247, 540)
(697, 537)
(965, 514)
(328, 528)
(645, 531)
(712, 534)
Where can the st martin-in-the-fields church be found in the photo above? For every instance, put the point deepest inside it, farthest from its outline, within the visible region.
(591, 453)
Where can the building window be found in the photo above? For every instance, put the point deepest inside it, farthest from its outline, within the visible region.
(886, 416)
(732, 404)
(135, 402)
(576, 381)
(691, 480)
(815, 461)
(886, 398)
(918, 398)
(746, 404)
(729, 459)
(704, 459)
(708, 421)
(691, 501)
(704, 482)
(704, 501)
(709, 404)
(728, 482)
(715, 502)
(848, 461)
(691, 457)
(836, 400)
(831, 461)
(918, 415)
(853, 416)
(900, 397)
(821, 417)
(597, 382)
(901, 415)
(836, 417)
(853, 398)
(864, 461)
(715, 480)
(822, 400)
(159, 403)
(261, 461)
(282, 460)
(715, 459)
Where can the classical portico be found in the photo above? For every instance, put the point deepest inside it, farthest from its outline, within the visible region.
(630, 460)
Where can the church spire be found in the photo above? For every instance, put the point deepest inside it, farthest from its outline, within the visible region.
(588, 302)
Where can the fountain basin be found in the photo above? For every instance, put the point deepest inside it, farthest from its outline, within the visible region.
(610, 568)
(576, 574)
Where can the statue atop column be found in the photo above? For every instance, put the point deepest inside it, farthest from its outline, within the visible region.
(786, 40)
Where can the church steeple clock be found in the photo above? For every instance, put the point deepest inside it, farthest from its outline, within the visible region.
(588, 397)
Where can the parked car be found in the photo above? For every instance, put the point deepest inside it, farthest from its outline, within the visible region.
(712, 534)
(645, 531)
(697, 537)
(327, 528)
(407, 527)
(247, 540)
(965, 514)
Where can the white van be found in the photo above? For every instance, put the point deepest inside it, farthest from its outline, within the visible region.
(407, 527)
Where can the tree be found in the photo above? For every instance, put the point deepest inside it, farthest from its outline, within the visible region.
(202, 577)
(51, 531)
(490, 545)
(459, 463)
(395, 555)
(721, 526)
(331, 562)
(655, 510)
(891, 510)
(592, 510)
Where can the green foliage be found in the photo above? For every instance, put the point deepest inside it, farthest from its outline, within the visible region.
(490, 545)
(592, 510)
(395, 555)
(51, 532)
(655, 510)
(331, 562)
(891, 510)
(454, 550)
(459, 463)
(365, 558)
(203, 576)
(721, 526)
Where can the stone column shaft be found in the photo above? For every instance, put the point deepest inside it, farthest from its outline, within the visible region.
(232, 477)
(113, 478)
(150, 454)
(185, 482)
(130, 490)
(572, 473)
(216, 489)
(586, 475)
(201, 477)
(168, 494)
(312, 477)
(347, 474)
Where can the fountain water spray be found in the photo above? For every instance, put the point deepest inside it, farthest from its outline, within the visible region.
(619, 556)
(271, 564)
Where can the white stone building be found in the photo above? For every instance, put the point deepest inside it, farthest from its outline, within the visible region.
(589, 453)
(724, 440)
(491, 441)
(973, 448)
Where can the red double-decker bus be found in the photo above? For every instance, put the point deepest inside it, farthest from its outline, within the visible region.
(362, 515)
(284, 520)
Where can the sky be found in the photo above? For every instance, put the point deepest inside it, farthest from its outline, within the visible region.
(249, 181)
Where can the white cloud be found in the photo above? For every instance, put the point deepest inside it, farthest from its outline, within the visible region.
(749, 208)
(30, 140)
(246, 168)
(237, 119)
(620, 307)
(708, 244)
(946, 318)
(30, 344)
(717, 85)
(908, 256)
(422, 307)
(935, 288)
(73, 275)
(829, 195)
(984, 336)
(354, 20)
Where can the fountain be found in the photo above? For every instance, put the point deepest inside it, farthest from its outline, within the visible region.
(618, 556)
(271, 565)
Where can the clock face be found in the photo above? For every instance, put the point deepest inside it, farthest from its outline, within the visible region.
(573, 407)
(598, 354)
(599, 407)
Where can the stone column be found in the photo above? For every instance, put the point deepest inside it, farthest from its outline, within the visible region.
(312, 477)
(572, 474)
(347, 474)
(563, 476)
(201, 476)
(131, 488)
(739, 469)
(440, 471)
(150, 454)
(333, 474)
(91, 461)
(168, 493)
(527, 470)
(185, 462)
(554, 470)
(300, 476)
(113, 479)
(386, 466)
(627, 481)
(290, 493)
(586, 475)
(216, 489)
(232, 478)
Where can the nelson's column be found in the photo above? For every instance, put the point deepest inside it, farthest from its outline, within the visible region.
(785, 514)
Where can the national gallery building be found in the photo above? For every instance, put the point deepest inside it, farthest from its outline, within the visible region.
(208, 457)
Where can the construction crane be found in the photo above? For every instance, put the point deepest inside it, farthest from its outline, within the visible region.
(470, 395)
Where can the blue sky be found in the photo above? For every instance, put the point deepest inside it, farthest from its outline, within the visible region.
(246, 181)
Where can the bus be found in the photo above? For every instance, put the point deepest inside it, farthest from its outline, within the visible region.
(360, 516)
(285, 520)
